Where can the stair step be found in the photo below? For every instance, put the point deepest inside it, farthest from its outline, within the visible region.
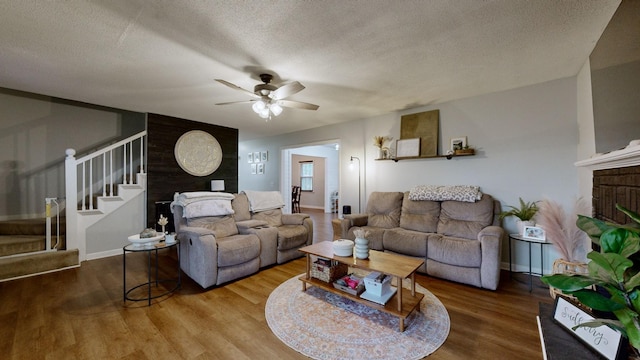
(131, 186)
(20, 244)
(29, 226)
(90, 212)
(19, 266)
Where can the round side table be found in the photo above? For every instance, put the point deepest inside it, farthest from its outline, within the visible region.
(519, 237)
(152, 281)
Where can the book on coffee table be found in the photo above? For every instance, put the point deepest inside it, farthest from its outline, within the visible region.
(382, 299)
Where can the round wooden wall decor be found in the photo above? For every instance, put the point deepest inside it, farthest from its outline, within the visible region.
(198, 153)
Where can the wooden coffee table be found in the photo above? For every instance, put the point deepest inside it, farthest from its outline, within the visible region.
(402, 304)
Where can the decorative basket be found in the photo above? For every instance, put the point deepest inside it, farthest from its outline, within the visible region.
(328, 273)
(562, 266)
(357, 291)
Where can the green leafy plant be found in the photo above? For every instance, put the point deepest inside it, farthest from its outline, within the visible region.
(616, 269)
(525, 212)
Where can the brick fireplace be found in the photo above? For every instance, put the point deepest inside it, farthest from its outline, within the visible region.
(616, 180)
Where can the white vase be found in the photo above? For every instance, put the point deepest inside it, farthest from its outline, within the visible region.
(362, 248)
(522, 223)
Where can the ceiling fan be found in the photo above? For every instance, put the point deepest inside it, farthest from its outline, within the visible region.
(269, 99)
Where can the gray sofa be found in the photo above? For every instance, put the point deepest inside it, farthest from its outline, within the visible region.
(459, 241)
(221, 248)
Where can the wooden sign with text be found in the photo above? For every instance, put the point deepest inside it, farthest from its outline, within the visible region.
(604, 340)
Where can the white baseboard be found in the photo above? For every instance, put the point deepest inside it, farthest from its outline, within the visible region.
(311, 207)
(104, 254)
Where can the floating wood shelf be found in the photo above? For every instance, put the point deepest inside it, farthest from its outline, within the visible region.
(448, 157)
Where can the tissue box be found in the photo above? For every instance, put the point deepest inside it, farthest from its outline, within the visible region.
(376, 284)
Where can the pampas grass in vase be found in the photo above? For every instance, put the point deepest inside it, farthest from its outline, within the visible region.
(561, 230)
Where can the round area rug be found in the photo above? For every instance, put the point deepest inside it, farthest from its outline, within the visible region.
(323, 325)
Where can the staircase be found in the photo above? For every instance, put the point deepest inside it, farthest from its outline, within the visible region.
(23, 250)
(91, 178)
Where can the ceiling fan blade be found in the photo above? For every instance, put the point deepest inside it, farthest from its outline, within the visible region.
(286, 90)
(297, 105)
(236, 87)
(236, 102)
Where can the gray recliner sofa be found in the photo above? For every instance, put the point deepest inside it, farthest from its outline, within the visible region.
(236, 241)
(458, 241)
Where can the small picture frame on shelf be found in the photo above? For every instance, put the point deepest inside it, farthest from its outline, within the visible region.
(458, 143)
(408, 148)
(533, 233)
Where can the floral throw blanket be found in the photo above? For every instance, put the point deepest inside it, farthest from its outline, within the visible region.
(465, 193)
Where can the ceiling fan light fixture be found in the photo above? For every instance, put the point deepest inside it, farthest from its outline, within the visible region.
(264, 113)
(258, 106)
(269, 99)
(276, 109)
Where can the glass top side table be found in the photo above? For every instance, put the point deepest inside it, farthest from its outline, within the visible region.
(519, 237)
(152, 281)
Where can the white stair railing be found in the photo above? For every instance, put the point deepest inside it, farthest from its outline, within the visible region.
(93, 175)
(98, 170)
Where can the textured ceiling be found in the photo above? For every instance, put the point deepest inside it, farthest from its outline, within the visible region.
(357, 59)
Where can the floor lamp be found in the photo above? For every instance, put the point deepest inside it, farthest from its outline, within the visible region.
(359, 191)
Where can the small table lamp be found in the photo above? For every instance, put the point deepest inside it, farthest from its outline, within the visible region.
(217, 185)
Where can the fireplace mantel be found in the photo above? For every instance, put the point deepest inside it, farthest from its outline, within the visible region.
(628, 156)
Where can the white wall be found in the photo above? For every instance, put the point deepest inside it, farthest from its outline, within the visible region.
(349, 145)
(526, 141)
(586, 132)
(108, 236)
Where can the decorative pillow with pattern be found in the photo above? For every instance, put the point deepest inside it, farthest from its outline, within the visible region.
(465, 193)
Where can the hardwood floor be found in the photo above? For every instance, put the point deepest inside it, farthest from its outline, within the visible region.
(79, 314)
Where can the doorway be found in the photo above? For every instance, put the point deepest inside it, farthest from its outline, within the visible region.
(327, 184)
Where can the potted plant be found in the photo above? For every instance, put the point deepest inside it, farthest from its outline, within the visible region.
(379, 141)
(524, 213)
(614, 269)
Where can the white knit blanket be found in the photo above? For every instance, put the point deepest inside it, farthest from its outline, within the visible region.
(204, 203)
(465, 193)
(264, 200)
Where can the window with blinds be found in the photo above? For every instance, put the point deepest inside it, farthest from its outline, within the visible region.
(306, 175)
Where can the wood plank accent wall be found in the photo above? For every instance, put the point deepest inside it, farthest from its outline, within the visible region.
(616, 186)
(165, 176)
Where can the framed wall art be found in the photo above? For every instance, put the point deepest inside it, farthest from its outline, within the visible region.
(422, 125)
(198, 153)
(408, 148)
(458, 143)
(250, 157)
